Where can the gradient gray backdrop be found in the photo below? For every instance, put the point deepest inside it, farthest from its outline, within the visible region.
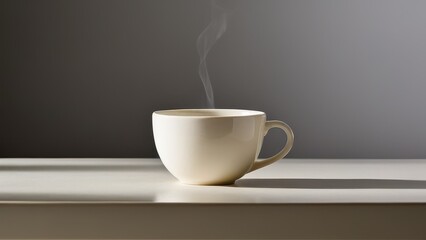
(81, 78)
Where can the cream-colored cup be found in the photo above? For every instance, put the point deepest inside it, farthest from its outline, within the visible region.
(213, 146)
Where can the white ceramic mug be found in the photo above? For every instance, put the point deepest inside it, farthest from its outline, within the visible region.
(213, 146)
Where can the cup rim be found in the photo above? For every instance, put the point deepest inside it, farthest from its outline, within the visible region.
(221, 113)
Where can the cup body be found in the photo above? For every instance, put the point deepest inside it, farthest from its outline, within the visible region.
(208, 146)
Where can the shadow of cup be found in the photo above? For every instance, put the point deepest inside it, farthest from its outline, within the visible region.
(311, 183)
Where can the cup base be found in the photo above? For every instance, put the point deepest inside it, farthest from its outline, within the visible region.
(209, 184)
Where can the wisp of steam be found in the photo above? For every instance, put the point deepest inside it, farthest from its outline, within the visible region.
(205, 42)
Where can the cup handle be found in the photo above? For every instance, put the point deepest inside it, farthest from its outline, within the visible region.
(289, 144)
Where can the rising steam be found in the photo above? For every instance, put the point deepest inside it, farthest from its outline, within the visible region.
(205, 42)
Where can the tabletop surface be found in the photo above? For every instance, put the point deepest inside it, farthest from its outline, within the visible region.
(144, 180)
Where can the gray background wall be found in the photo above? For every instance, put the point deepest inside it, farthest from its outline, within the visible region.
(81, 78)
